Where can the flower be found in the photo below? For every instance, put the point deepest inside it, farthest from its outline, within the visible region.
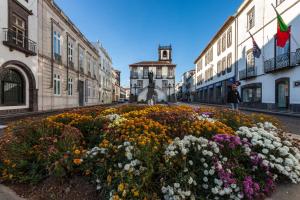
(77, 161)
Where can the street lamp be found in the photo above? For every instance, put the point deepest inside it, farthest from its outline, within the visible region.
(169, 87)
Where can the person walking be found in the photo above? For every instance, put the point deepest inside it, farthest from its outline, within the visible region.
(234, 97)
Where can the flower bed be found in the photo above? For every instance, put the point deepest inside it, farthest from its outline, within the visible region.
(154, 152)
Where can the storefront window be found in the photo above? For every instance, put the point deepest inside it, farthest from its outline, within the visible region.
(251, 93)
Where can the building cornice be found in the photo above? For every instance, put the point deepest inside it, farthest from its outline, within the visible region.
(216, 37)
(70, 24)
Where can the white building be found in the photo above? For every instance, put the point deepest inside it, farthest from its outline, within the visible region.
(18, 56)
(105, 74)
(46, 63)
(215, 69)
(271, 81)
(163, 75)
(188, 86)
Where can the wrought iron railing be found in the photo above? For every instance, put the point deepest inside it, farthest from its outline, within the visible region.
(282, 61)
(248, 73)
(19, 41)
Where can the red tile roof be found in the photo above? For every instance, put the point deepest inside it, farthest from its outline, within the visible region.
(153, 63)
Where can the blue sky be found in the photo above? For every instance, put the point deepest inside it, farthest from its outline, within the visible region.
(131, 30)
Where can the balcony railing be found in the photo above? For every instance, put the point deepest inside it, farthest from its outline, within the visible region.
(248, 73)
(134, 75)
(283, 61)
(19, 42)
(158, 76)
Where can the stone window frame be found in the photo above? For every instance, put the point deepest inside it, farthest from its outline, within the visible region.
(251, 15)
(16, 8)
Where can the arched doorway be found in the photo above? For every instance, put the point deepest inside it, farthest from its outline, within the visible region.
(12, 88)
(18, 86)
(282, 93)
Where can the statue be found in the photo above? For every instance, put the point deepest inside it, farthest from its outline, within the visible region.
(151, 86)
(150, 77)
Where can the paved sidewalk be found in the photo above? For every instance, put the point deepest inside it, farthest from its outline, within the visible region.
(7, 194)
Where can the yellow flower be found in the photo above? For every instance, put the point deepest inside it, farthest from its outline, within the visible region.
(108, 179)
(121, 187)
(116, 197)
(77, 161)
(77, 152)
(136, 193)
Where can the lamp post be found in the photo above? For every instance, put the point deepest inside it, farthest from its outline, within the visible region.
(169, 87)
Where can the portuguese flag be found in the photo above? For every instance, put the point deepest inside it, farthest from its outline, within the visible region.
(283, 31)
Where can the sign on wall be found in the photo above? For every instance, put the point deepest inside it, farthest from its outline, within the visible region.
(296, 83)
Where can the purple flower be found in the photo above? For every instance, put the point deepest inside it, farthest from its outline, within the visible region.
(231, 141)
(250, 187)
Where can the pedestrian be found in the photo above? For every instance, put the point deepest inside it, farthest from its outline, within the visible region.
(233, 97)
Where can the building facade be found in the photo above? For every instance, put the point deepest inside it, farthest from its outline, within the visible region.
(46, 62)
(19, 81)
(188, 86)
(269, 81)
(215, 69)
(163, 75)
(116, 88)
(105, 74)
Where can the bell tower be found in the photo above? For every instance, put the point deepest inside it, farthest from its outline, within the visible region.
(165, 53)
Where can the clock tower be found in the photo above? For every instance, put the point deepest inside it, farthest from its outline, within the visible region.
(165, 53)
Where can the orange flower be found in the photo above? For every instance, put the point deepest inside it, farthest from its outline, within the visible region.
(77, 161)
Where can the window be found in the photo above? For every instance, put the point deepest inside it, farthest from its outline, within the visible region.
(209, 56)
(250, 62)
(229, 37)
(94, 91)
(219, 68)
(56, 45)
(165, 54)
(278, 2)
(81, 59)
(158, 72)
(89, 63)
(199, 65)
(70, 86)
(229, 63)
(251, 18)
(56, 84)
(224, 66)
(12, 88)
(70, 52)
(251, 93)
(223, 42)
(219, 47)
(18, 28)
(170, 72)
(145, 72)
(164, 84)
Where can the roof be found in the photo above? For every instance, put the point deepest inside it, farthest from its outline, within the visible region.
(153, 63)
(217, 35)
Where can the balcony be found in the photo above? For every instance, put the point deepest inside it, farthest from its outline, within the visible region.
(283, 61)
(19, 42)
(158, 76)
(248, 73)
(134, 75)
